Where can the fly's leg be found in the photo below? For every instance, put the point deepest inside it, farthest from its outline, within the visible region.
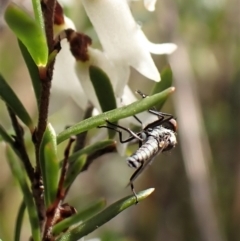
(165, 119)
(141, 93)
(114, 127)
(134, 175)
(134, 193)
(160, 114)
(140, 142)
(162, 117)
(138, 119)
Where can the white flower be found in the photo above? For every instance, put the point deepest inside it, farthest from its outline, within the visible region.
(99, 59)
(65, 83)
(150, 5)
(124, 45)
(123, 41)
(94, 239)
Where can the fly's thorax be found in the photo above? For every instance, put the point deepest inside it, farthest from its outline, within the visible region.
(170, 140)
(144, 135)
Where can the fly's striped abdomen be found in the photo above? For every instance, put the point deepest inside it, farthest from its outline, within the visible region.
(145, 152)
(158, 138)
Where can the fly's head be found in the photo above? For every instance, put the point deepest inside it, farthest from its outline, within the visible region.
(171, 125)
(169, 137)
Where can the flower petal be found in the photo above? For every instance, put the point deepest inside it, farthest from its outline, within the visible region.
(166, 48)
(82, 71)
(120, 36)
(150, 5)
(65, 83)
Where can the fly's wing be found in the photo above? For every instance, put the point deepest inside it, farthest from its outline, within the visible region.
(146, 164)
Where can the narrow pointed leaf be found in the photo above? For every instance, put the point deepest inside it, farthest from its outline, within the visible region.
(115, 115)
(166, 82)
(10, 98)
(19, 221)
(29, 32)
(103, 88)
(104, 91)
(18, 173)
(6, 137)
(74, 169)
(32, 69)
(49, 165)
(101, 218)
(90, 149)
(78, 160)
(38, 13)
(79, 217)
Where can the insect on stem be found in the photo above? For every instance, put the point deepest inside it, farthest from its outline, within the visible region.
(157, 137)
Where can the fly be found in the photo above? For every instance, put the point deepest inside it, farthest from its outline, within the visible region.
(155, 138)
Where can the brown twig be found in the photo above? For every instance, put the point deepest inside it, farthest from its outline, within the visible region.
(45, 74)
(61, 190)
(54, 210)
(48, 9)
(20, 145)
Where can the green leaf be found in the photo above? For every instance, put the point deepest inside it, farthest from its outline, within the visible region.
(18, 173)
(78, 160)
(103, 88)
(74, 169)
(101, 218)
(115, 115)
(49, 165)
(32, 69)
(166, 82)
(14, 103)
(29, 32)
(104, 91)
(79, 217)
(90, 149)
(19, 221)
(38, 13)
(7, 138)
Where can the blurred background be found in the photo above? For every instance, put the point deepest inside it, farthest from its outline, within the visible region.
(197, 185)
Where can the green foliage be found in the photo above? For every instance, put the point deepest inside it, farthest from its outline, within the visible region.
(90, 149)
(166, 82)
(81, 216)
(19, 221)
(11, 100)
(43, 168)
(103, 88)
(74, 169)
(38, 13)
(18, 173)
(7, 138)
(114, 115)
(29, 32)
(49, 164)
(32, 69)
(104, 91)
(110, 212)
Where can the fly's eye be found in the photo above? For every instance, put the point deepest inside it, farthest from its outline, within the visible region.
(171, 125)
(174, 125)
